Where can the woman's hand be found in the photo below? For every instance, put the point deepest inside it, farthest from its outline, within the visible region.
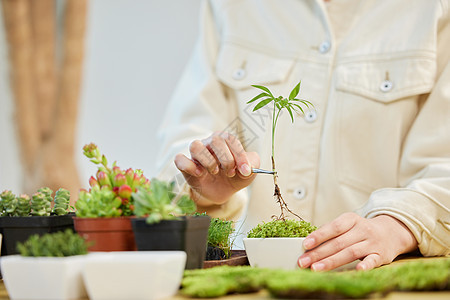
(350, 237)
(218, 168)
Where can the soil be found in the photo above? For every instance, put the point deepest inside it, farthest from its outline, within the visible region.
(213, 253)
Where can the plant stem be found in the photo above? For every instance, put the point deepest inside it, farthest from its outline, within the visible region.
(277, 191)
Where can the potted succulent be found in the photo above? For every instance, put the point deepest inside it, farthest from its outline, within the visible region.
(281, 238)
(48, 267)
(163, 222)
(219, 251)
(104, 211)
(22, 216)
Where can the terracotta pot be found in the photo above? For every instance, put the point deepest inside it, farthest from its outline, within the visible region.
(188, 234)
(107, 234)
(19, 229)
(237, 258)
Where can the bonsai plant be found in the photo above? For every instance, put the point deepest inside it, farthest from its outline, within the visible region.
(22, 216)
(163, 222)
(104, 211)
(49, 266)
(280, 227)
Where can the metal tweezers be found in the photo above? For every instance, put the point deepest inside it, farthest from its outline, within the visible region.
(261, 171)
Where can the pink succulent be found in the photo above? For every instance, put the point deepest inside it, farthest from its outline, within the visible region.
(93, 182)
(103, 178)
(125, 191)
(120, 180)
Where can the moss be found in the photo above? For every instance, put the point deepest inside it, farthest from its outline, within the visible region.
(223, 280)
(433, 274)
(281, 228)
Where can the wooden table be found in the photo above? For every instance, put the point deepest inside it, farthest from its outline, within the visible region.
(264, 295)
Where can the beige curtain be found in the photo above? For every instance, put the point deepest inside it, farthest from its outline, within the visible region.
(46, 89)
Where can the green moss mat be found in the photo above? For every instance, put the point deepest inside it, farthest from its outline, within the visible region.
(423, 275)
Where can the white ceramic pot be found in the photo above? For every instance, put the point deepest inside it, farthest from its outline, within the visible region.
(43, 277)
(133, 274)
(279, 253)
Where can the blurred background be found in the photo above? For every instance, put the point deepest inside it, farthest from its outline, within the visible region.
(79, 71)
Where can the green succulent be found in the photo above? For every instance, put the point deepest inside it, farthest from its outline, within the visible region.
(9, 203)
(160, 202)
(23, 205)
(39, 204)
(48, 192)
(99, 202)
(58, 244)
(62, 198)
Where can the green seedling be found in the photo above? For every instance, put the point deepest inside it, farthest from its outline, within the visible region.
(292, 105)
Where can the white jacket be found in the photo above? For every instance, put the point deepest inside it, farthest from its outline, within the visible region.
(379, 77)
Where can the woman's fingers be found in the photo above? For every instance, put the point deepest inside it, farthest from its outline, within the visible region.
(223, 154)
(343, 257)
(203, 156)
(343, 244)
(228, 152)
(339, 226)
(369, 262)
(241, 159)
(350, 237)
(187, 166)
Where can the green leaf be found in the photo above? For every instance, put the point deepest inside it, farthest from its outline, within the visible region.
(262, 104)
(295, 91)
(278, 106)
(290, 112)
(264, 89)
(259, 96)
(305, 102)
(299, 107)
(186, 204)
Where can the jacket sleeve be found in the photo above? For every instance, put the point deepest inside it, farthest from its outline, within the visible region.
(422, 202)
(198, 108)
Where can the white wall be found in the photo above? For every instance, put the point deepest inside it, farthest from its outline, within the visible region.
(135, 53)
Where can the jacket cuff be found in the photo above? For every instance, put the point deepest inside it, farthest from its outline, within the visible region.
(428, 221)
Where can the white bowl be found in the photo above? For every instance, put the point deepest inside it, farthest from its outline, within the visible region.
(43, 277)
(133, 274)
(274, 253)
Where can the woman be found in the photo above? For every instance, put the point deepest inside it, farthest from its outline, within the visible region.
(371, 164)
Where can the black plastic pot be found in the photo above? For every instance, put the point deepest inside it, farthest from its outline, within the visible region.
(188, 234)
(18, 229)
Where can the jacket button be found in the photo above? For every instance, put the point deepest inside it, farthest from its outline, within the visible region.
(299, 193)
(324, 47)
(386, 86)
(239, 74)
(310, 116)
